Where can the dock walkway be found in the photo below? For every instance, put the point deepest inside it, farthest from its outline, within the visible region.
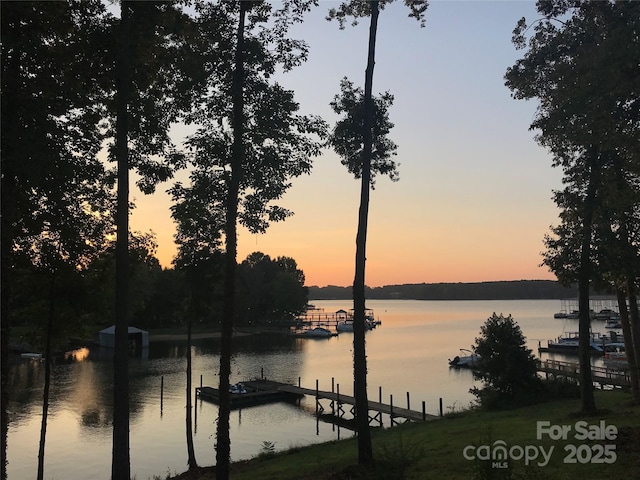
(341, 399)
(601, 375)
(264, 391)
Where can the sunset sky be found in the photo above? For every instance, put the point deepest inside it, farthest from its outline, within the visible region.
(474, 198)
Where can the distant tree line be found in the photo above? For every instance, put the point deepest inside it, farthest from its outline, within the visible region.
(269, 291)
(504, 290)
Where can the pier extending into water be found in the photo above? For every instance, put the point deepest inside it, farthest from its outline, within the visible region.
(337, 402)
(266, 391)
(604, 376)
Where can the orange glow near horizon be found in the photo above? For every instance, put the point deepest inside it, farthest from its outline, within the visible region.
(474, 198)
(327, 257)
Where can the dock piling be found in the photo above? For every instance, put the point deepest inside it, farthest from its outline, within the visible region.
(391, 405)
(161, 393)
(333, 403)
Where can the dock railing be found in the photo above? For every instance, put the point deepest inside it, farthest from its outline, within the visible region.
(601, 374)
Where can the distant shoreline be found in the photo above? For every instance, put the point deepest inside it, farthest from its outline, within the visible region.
(175, 337)
(502, 290)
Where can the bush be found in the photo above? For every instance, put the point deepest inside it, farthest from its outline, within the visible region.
(506, 366)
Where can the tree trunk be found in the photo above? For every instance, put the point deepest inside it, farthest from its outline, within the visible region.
(47, 379)
(5, 329)
(223, 440)
(120, 466)
(629, 346)
(10, 133)
(584, 279)
(634, 322)
(193, 465)
(365, 449)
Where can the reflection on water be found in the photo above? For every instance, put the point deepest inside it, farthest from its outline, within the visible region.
(77, 355)
(407, 353)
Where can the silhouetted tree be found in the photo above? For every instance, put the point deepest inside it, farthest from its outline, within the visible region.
(505, 364)
(590, 122)
(364, 143)
(246, 150)
(51, 133)
(202, 275)
(270, 289)
(152, 86)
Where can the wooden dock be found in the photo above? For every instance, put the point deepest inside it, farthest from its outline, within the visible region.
(318, 318)
(258, 392)
(604, 376)
(337, 401)
(266, 391)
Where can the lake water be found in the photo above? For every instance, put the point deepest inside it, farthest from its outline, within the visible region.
(407, 353)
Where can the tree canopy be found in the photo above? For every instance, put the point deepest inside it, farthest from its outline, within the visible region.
(270, 290)
(581, 65)
(586, 115)
(347, 138)
(505, 365)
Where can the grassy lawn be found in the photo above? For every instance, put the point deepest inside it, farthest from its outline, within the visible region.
(435, 449)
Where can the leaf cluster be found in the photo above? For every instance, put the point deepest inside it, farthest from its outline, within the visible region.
(56, 198)
(163, 72)
(347, 137)
(279, 143)
(358, 9)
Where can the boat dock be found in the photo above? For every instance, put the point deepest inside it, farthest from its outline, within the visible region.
(337, 402)
(318, 318)
(258, 392)
(266, 391)
(604, 376)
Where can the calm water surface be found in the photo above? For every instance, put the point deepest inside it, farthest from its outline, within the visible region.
(407, 353)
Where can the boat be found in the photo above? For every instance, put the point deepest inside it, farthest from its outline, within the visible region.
(466, 359)
(31, 356)
(607, 314)
(575, 314)
(560, 314)
(370, 321)
(613, 323)
(238, 389)
(568, 343)
(346, 326)
(318, 332)
(615, 351)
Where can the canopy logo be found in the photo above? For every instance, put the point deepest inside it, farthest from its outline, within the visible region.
(499, 453)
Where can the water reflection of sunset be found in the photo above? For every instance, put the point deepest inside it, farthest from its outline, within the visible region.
(77, 355)
(408, 353)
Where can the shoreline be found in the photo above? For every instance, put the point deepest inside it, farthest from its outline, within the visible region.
(173, 337)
